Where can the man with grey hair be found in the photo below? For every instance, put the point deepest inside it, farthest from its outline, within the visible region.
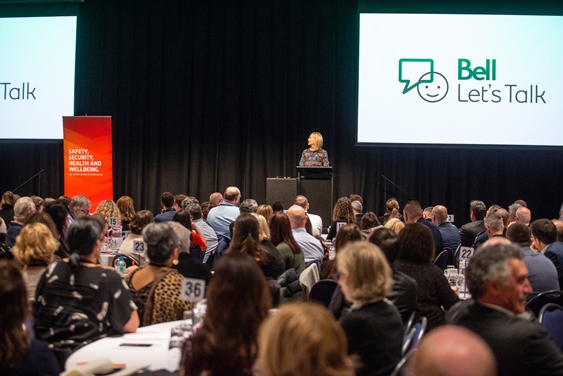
(23, 209)
(358, 209)
(523, 215)
(248, 206)
(79, 207)
(189, 200)
(469, 231)
(498, 283)
(188, 266)
(494, 226)
(512, 212)
(206, 231)
(314, 220)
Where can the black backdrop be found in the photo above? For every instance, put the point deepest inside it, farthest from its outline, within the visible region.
(207, 94)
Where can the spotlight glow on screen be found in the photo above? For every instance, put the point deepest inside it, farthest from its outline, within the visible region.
(36, 76)
(453, 79)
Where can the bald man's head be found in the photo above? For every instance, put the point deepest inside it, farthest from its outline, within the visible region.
(523, 215)
(232, 195)
(297, 216)
(453, 351)
(440, 214)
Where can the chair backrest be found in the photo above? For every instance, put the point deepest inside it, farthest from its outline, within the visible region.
(537, 302)
(415, 334)
(441, 260)
(407, 341)
(322, 291)
(401, 367)
(551, 318)
(308, 278)
(410, 322)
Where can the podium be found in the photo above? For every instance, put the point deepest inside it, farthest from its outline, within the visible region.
(317, 184)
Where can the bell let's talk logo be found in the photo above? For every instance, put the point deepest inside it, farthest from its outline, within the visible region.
(433, 86)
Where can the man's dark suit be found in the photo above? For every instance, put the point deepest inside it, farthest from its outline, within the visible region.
(521, 347)
(554, 252)
(436, 234)
(469, 232)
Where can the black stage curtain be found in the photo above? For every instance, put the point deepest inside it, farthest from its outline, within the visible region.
(207, 94)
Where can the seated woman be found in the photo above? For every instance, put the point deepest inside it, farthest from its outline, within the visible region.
(246, 240)
(282, 238)
(391, 211)
(197, 241)
(373, 327)
(186, 265)
(78, 301)
(277, 264)
(415, 260)
(323, 350)
(156, 287)
(368, 223)
(140, 220)
(108, 209)
(395, 225)
(345, 235)
(237, 303)
(126, 210)
(59, 215)
(35, 247)
(20, 355)
(342, 215)
(266, 211)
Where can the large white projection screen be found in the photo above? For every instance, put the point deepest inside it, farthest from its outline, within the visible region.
(36, 76)
(460, 79)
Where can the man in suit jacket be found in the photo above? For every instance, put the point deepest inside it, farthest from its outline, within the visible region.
(497, 280)
(469, 231)
(412, 213)
(544, 240)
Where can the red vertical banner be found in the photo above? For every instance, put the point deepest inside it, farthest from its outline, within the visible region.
(88, 157)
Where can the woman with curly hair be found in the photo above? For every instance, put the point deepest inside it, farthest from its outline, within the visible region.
(238, 301)
(127, 211)
(35, 247)
(342, 215)
(108, 209)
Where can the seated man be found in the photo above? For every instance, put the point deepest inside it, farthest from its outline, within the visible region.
(497, 280)
(544, 240)
(220, 217)
(168, 211)
(312, 249)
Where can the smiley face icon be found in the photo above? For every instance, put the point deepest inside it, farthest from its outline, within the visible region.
(433, 91)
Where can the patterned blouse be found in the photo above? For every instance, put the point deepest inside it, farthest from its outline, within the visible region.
(314, 158)
(77, 306)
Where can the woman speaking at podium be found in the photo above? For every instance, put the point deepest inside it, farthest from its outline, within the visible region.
(315, 155)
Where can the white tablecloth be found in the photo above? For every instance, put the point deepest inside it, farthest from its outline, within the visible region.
(156, 356)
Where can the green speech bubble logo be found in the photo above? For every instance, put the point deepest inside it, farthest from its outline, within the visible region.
(413, 70)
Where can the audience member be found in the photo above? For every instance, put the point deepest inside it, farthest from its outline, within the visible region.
(79, 207)
(544, 240)
(38, 201)
(373, 327)
(127, 211)
(78, 301)
(246, 240)
(7, 207)
(427, 213)
(541, 271)
(342, 215)
(237, 303)
(23, 209)
(450, 233)
(225, 213)
(368, 223)
(391, 211)
(494, 226)
(415, 260)
(156, 287)
(248, 206)
(266, 211)
(356, 197)
(453, 351)
(282, 238)
(187, 265)
(358, 209)
(512, 212)
(35, 247)
(323, 350)
(168, 211)
(205, 230)
(59, 214)
(315, 220)
(206, 206)
(179, 200)
(140, 220)
(311, 247)
(108, 209)
(277, 207)
(523, 215)
(345, 235)
(273, 255)
(65, 200)
(469, 231)
(395, 225)
(498, 283)
(559, 225)
(216, 198)
(20, 355)
(198, 244)
(412, 213)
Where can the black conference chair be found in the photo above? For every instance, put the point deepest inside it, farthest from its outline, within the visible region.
(441, 260)
(551, 318)
(402, 365)
(322, 291)
(537, 302)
